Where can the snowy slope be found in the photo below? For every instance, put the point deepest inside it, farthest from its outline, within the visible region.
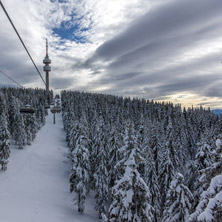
(35, 188)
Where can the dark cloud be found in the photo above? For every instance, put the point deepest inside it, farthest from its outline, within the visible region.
(213, 90)
(171, 20)
(195, 84)
(162, 51)
(210, 104)
(152, 57)
(15, 62)
(61, 83)
(176, 74)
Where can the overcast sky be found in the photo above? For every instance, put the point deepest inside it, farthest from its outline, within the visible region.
(167, 50)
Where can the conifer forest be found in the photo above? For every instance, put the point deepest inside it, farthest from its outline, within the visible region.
(144, 161)
(15, 126)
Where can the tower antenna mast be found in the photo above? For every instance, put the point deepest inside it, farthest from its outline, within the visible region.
(47, 67)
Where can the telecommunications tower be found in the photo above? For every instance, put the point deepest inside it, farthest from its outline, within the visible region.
(47, 67)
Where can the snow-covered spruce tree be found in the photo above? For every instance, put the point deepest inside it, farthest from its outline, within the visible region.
(27, 128)
(191, 176)
(172, 143)
(209, 208)
(72, 129)
(131, 196)
(153, 143)
(13, 108)
(40, 116)
(179, 201)
(3, 107)
(203, 158)
(151, 179)
(114, 144)
(79, 178)
(72, 135)
(4, 142)
(166, 172)
(101, 178)
(98, 136)
(129, 143)
(19, 132)
(142, 142)
(31, 127)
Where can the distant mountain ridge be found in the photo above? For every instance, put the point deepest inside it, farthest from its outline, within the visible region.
(217, 111)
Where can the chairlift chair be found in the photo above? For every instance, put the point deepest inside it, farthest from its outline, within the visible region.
(47, 106)
(58, 109)
(55, 109)
(27, 109)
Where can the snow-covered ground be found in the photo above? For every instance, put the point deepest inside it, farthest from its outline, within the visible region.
(35, 187)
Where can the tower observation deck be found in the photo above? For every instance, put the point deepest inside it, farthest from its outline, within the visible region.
(47, 67)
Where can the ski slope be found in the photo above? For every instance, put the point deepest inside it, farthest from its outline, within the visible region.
(35, 187)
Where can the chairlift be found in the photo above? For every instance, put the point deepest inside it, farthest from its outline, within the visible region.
(47, 106)
(27, 109)
(55, 109)
(58, 109)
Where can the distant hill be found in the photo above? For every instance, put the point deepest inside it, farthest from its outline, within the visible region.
(217, 111)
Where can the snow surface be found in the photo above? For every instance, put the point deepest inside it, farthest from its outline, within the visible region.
(35, 187)
(214, 191)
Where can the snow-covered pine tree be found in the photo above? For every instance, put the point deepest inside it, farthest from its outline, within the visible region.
(28, 127)
(114, 143)
(4, 142)
(101, 178)
(79, 178)
(129, 143)
(153, 143)
(72, 135)
(203, 158)
(142, 142)
(131, 196)
(166, 172)
(40, 116)
(33, 126)
(3, 107)
(151, 179)
(71, 127)
(179, 201)
(12, 110)
(98, 134)
(172, 143)
(209, 208)
(191, 176)
(19, 132)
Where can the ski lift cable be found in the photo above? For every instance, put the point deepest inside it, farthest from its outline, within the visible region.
(21, 41)
(11, 78)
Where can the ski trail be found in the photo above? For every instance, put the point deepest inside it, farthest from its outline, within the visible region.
(35, 187)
